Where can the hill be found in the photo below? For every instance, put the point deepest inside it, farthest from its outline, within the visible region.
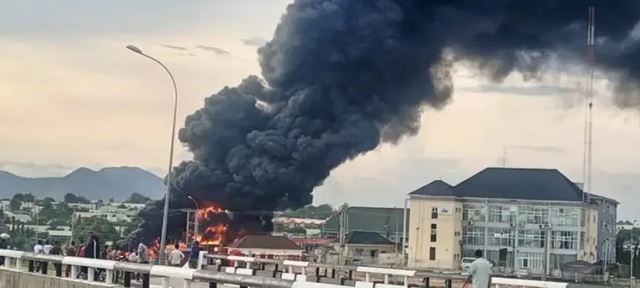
(111, 182)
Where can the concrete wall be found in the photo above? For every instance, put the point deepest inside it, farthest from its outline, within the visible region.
(10, 278)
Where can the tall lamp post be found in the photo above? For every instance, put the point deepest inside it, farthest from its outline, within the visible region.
(196, 223)
(165, 213)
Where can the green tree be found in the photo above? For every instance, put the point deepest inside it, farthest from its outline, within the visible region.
(322, 211)
(137, 198)
(105, 230)
(72, 198)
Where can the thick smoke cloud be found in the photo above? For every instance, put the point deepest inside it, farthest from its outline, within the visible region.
(339, 77)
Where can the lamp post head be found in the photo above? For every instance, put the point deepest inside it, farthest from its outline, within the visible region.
(134, 49)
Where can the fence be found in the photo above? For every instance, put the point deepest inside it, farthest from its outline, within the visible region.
(240, 271)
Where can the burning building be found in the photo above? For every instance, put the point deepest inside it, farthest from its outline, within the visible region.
(339, 77)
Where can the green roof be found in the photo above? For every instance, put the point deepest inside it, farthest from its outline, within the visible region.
(383, 220)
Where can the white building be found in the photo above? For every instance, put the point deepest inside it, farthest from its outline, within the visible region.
(24, 218)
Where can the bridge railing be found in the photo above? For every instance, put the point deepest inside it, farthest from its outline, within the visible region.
(297, 271)
(87, 270)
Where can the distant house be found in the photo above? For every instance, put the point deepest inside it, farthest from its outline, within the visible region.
(366, 248)
(3, 227)
(385, 221)
(266, 246)
(625, 225)
(24, 218)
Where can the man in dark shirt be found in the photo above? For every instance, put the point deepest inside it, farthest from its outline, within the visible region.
(195, 253)
(56, 250)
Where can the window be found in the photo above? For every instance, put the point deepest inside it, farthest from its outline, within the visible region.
(434, 232)
(456, 234)
(531, 238)
(499, 214)
(499, 237)
(473, 212)
(432, 253)
(473, 235)
(564, 216)
(434, 212)
(458, 210)
(534, 215)
(565, 240)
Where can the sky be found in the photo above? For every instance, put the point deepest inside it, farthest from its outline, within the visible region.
(71, 95)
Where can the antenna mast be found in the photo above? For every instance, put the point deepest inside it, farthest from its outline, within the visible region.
(588, 138)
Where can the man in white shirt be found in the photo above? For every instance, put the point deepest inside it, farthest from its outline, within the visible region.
(47, 247)
(175, 257)
(37, 249)
(480, 272)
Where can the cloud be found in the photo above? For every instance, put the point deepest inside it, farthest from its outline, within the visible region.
(555, 149)
(30, 169)
(537, 90)
(216, 50)
(254, 41)
(175, 47)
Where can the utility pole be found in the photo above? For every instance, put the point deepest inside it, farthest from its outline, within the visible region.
(633, 252)
(404, 232)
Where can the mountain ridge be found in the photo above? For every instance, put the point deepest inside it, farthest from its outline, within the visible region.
(108, 182)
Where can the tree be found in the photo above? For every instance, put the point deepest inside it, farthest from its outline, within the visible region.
(322, 211)
(72, 198)
(105, 230)
(15, 204)
(137, 198)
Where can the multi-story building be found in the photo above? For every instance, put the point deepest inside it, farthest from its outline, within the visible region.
(522, 219)
(607, 215)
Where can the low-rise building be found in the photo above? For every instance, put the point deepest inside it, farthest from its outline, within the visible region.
(266, 246)
(368, 248)
(525, 220)
(382, 220)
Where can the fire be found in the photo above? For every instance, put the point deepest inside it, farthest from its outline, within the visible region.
(212, 235)
(203, 213)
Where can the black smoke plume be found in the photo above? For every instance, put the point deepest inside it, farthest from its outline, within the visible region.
(339, 77)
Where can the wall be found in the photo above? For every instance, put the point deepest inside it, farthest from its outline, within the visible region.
(448, 223)
(10, 278)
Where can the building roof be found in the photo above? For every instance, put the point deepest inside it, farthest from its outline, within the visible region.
(367, 238)
(600, 197)
(510, 183)
(265, 242)
(383, 220)
(437, 187)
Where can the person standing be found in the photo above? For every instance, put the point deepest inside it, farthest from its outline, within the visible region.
(194, 254)
(143, 253)
(70, 251)
(175, 257)
(3, 245)
(56, 249)
(479, 272)
(37, 249)
(46, 249)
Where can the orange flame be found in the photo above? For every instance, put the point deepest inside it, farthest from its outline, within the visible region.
(203, 213)
(212, 235)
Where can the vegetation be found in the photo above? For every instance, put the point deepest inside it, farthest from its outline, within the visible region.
(627, 241)
(322, 211)
(137, 198)
(105, 230)
(72, 198)
(18, 198)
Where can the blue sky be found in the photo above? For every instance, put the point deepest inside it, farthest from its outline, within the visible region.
(72, 95)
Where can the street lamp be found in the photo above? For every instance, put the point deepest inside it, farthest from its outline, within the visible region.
(196, 223)
(165, 214)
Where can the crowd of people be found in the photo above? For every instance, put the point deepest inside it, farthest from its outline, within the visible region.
(94, 250)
